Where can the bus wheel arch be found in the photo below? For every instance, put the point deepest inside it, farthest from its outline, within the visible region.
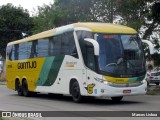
(18, 87)
(75, 91)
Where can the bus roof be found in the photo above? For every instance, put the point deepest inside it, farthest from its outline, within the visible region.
(92, 26)
(106, 28)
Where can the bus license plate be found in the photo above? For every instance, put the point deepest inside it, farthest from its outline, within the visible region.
(126, 91)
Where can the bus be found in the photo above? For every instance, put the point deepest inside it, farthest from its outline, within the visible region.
(81, 59)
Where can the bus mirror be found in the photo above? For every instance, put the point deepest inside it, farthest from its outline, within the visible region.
(95, 45)
(148, 46)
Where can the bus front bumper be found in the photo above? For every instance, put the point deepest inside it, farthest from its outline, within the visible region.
(109, 91)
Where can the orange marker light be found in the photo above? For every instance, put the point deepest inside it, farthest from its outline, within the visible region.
(107, 36)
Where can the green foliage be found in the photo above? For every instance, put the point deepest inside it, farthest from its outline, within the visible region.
(13, 22)
(150, 67)
(156, 58)
(154, 15)
(45, 20)
(73, 10)
(153, 90)
(64, 12)
(133, 13)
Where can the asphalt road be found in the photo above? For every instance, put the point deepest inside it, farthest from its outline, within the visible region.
(10, 101)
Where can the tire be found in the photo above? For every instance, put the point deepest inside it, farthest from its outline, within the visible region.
(18, 88)
(117, 99)
(25, 90)
(75, 91)
(157, 83)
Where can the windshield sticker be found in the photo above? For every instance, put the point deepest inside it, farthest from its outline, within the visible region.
(70, 64)
(95, 91)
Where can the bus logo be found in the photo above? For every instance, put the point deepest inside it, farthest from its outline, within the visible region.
(90, 87)
(27, 65)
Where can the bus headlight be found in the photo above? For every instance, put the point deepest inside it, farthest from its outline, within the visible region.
(143, 81)
(101, 80)
(105, 82)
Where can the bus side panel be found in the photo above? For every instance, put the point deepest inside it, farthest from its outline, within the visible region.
(10, 74)
(28, 70)
(71, 68)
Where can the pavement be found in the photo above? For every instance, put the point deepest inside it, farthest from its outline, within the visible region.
(10, 101)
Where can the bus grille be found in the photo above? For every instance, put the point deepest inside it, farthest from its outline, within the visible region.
(125, 85)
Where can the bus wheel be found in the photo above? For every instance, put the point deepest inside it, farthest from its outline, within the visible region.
(25, 90)
(18, 87)
(157, 83)
(117, 99)
(75, 91)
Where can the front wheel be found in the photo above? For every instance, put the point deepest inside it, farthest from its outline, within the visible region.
(76, 95)
(117, 99)
(157, 83)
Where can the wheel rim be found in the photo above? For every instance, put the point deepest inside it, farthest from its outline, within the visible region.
(76, 92)
(25, 89)
(18, 86)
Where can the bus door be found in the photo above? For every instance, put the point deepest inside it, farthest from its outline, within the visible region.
(91, 68)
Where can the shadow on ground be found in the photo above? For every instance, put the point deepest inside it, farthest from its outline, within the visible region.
(86, 100)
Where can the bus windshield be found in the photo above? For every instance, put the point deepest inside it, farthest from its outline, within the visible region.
(120, 54)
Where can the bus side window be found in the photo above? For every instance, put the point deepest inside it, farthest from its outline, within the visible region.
(22, 52)
(43, 45)
(55, 45)
(32, 49)
(16, 52)
(9, 52)
(68, 45)
(90, 59)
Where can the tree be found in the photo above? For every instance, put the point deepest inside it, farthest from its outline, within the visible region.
(156, 59)
(154, 16)
(60, 13)
(133, 13)
(73, 10)
(45, 18)
(150, 67)
(64, 12)
(14, 23)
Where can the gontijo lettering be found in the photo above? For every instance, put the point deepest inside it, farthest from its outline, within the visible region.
(27, 65)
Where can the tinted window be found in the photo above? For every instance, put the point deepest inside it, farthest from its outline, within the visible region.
(81, 35)
(9, 52)
(32, 49)
(43, 45)
(55, 45)
(16, 52)
(68, 45)
(63, 44)
(23, 51)
(90, 58)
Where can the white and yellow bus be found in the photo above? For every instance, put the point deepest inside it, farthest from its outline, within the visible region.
(81, 59)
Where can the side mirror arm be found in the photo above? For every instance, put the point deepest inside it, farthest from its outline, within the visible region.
(95, 45)
(150, 45)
